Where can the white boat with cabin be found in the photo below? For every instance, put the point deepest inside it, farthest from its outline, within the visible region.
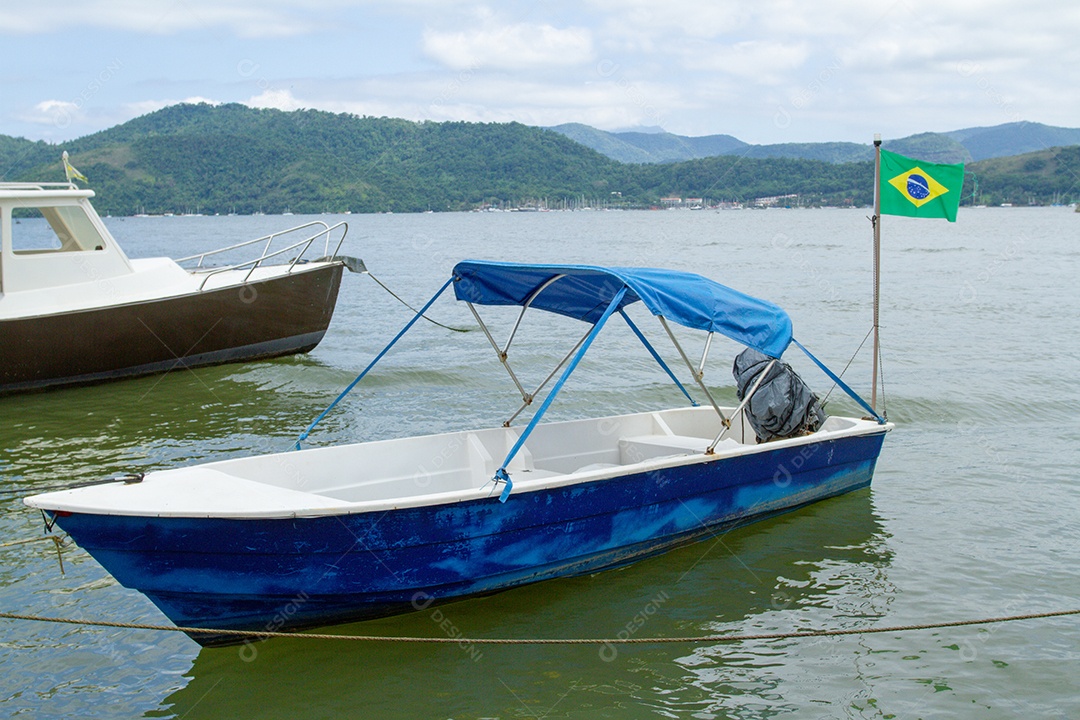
(75, 309)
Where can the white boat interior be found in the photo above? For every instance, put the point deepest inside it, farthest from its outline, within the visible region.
(77, 264)
(432, 469)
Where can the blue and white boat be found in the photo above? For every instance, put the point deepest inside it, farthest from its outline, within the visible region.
(312, 537)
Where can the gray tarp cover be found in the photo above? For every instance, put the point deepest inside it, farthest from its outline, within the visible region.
(783, 405)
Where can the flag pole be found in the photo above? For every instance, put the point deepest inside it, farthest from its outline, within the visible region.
(877, 263)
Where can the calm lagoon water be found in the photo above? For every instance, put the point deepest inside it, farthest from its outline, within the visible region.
(973, 510)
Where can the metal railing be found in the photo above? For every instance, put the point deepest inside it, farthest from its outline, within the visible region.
(267, 241)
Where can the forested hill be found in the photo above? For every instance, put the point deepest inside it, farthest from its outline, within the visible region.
(232, 158)
(967, 145)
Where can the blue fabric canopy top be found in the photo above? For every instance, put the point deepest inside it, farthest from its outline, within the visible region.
(586, 291)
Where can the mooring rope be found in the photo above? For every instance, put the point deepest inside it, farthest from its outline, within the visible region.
(402, 301)
(266, 634)
(57, 542)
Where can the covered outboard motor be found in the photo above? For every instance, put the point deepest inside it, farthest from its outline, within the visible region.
(782, 405)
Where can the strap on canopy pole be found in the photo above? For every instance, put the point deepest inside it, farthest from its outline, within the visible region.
(420, 314)
(656, 356)
(843, 386)
(501, 475)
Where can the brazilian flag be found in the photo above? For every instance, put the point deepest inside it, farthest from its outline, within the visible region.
(919, 189)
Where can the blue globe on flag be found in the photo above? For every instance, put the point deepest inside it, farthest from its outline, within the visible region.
(918, 187)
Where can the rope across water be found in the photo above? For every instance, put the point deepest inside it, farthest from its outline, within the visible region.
(261, 635)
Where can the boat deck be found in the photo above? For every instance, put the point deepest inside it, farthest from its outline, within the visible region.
(460, 461)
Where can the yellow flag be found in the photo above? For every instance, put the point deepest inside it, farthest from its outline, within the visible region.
(70, 171)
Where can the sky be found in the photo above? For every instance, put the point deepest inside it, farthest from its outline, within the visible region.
(764, 71)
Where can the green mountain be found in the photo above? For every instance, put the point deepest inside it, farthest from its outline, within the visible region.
(665, 147)
(734, 178)
(662, 147)
(832, 152)
(233, 158)
(1013, 139)
(17, 155)
(605, 143)
(951, 147)
(650, 147)
(931, 147)
(1047, 176)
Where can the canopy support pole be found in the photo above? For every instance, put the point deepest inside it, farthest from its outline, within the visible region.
(347, 390)
(742, 406)
(525, 397)
(525, 307)
(697, 376)
(547, 379)
(501, 475)
(656, 356)
(705, 354)
(843, 385)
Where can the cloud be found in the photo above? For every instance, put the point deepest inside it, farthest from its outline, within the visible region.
(60, 113)
(763, 61)
(510, 47)
(833, 69)
(71, 119)
(643, 25)
(484, 96)
(276, 99)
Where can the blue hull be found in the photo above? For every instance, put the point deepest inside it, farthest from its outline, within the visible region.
(278, 574)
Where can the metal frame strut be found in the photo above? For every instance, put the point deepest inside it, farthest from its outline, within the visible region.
(697, 375)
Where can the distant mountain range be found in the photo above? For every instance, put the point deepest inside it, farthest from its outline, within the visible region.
(233, 158)
(968, 145)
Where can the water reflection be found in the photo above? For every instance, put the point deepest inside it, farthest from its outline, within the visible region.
(963, 497)
(184, 416)
(801, 570)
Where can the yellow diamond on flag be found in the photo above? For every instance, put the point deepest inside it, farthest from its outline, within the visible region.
(917, 186)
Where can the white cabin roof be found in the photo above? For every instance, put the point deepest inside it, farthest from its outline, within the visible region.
(37, 191)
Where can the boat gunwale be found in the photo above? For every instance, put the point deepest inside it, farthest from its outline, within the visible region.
(273, 275)
(522, 484)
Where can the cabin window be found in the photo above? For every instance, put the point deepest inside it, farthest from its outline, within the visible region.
(64, 228)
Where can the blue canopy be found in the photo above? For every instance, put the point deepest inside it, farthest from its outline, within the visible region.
(592, 294)
(586, 291)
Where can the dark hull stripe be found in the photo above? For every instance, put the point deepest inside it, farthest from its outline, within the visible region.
(283, 315)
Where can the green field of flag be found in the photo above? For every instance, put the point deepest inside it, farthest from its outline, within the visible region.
(919, 189)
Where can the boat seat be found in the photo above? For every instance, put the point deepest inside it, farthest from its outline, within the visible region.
(646, 447)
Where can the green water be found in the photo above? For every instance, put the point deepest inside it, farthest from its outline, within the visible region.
(972, 512)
